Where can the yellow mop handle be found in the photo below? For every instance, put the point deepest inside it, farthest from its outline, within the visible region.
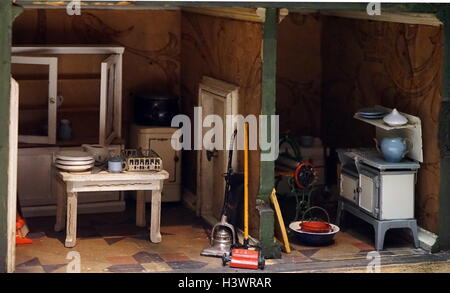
(246, 180)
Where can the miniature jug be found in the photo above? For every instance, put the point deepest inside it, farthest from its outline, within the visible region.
(393, 149)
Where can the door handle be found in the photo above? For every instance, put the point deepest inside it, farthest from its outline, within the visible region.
(211, 154)
(175, 159)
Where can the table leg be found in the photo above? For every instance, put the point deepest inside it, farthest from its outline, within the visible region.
(60, 207)
(71, 229)
(140, 208)
(155, 234)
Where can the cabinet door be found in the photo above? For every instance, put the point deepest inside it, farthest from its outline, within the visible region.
(368, 191)
(161, 144)
(37, 98)
(110, 99)
(34, 177)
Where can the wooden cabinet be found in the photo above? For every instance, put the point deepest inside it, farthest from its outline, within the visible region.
(80, 84)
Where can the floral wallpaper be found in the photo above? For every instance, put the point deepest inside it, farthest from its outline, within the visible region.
(396, 65)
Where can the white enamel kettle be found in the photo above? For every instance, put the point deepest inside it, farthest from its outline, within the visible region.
(100, 153)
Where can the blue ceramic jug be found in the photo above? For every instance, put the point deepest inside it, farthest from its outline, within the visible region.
(65, 131)
(393, 148)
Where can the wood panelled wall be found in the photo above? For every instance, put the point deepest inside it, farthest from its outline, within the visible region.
(329, 67)
(299, 74)
(229, 50)
(151, 39)
(396, 65)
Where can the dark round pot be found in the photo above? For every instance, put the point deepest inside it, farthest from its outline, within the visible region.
(155, 109)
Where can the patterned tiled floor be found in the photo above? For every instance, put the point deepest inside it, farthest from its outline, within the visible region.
(112, 243)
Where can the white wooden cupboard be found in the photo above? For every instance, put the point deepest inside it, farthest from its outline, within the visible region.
(82, 84)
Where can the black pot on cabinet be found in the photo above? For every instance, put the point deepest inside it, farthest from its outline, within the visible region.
(155, 109)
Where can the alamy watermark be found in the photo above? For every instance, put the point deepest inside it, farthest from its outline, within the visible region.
(212, 133)
(373, 8)
(74, 7)
(74, 266)
(374, 265)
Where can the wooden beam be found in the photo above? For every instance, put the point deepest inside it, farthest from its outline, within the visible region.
(237, 13)
(444, 140)
(268, 94)
(399, 17)
(267, 168)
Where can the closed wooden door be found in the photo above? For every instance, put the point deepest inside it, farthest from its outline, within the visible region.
(213, 160)
(220, 99)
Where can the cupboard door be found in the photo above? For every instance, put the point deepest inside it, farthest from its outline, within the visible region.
(161, 144)
(34, 176)
(110, 99)
(37, 98)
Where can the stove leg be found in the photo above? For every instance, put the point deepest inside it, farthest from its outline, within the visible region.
(380, 231)
(413, 227)
(340, 215)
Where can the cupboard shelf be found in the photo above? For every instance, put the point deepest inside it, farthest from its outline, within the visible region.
(413, 122)
(381, 124)
(63, 110)
(65, 76)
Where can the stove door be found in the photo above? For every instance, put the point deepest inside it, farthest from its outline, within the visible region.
(349, 187)
(368, 187)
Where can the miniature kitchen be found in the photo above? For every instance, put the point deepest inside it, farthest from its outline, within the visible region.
(97, 172)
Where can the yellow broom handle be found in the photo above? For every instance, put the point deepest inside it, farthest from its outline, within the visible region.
(246, 181)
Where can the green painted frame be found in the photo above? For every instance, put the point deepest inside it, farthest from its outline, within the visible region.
(7, 14)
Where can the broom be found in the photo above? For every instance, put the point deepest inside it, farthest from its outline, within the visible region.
(245, 256)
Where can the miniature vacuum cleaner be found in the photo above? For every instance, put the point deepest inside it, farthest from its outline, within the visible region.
(245, 256)
(223, 235)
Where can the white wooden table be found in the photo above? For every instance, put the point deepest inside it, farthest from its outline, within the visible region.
(73, 183)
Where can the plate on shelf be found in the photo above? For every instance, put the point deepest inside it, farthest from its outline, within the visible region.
(373, 111)
(371, 116)
(73, 156)
(74, 163)
(74, 168)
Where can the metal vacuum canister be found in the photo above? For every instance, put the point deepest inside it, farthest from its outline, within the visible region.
(222, 239)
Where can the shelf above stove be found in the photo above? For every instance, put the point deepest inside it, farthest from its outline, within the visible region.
(381, 124)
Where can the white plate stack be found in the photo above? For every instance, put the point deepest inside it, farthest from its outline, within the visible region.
(74, 161)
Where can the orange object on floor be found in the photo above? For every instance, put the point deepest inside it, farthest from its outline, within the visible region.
(245, 259)
(20, 222)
